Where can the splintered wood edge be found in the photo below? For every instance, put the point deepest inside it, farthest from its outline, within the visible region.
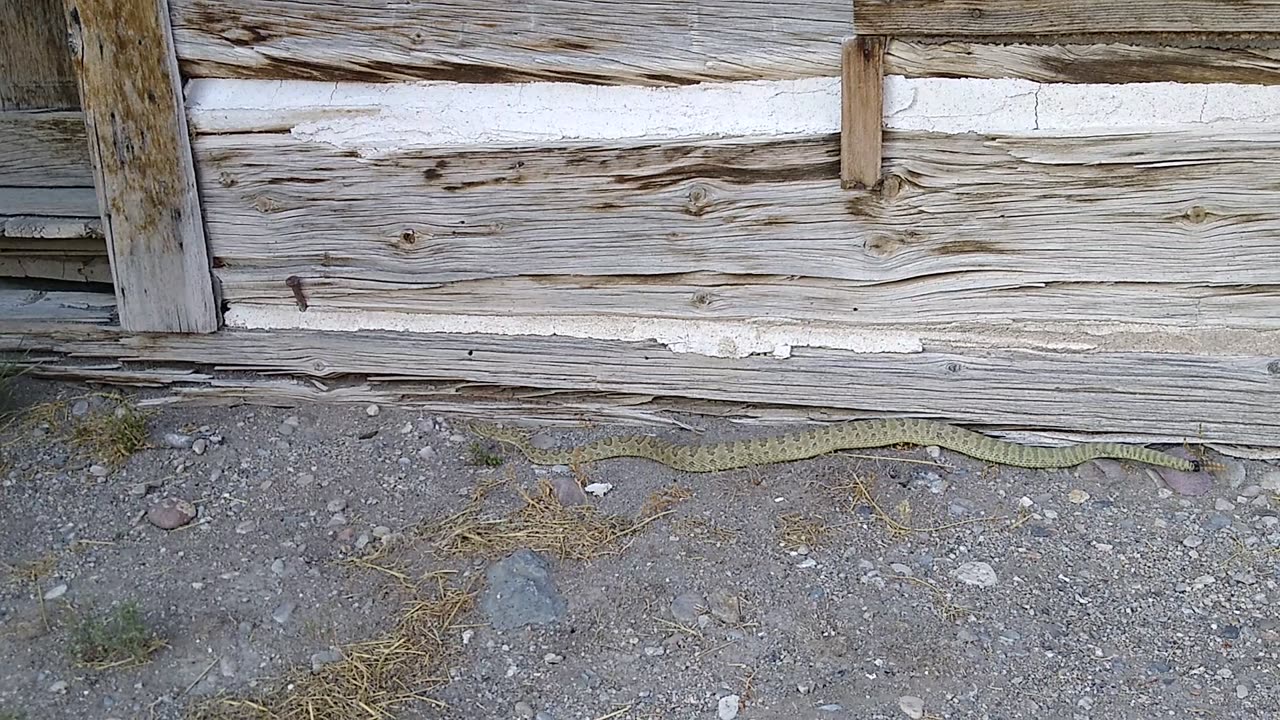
(861, 111)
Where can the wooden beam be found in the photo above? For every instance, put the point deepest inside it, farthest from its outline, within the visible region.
(1093, 63)
(1177, 396)
(80, 203)
(69, 268)
(35, 66)
(609, 42)
(861, 111)
(1049, 18)
(44, 149)
(139, 146)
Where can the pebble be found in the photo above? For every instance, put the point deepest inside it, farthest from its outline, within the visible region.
(911, 706)
(381, 532)
(244, 527)
(1251, 491)
(1192, 541)
(543, 715)
(323, 658)
(138, 489)
(724, 605)
(1242, 691)
(524, 710)
(1078, 497)
(598, 489)
(728, 707)
(406, 428)
(686, 607)
(171, 513)
(97, 470)
(58, 687)
(80, 408)
(56, 592)
(900, 569)
(568, 492)
(372, 411)
(427, 453)
(286, 428)
(519, 591)
(277, 566)
(1271, 481)
(1216, 522)
(552, 659)
(336, 505)
(933, 451)
(1223, 505)
(178, 441)
(976, 573)
(199, 446)
(283, 612)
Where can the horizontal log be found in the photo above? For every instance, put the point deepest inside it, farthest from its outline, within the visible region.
(1049, 18)
(1217, 399)
(1094, 63)
(663, 42)
(708, 296)
(70, 268)
(1189, 207)
(58, 202)
(19, 307)
(36, 227)
(44, 149)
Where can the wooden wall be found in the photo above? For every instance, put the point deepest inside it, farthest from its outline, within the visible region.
(49, 226)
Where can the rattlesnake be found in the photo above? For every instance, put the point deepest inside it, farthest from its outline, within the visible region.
(710, 457)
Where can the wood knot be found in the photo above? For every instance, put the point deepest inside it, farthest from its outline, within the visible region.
(702, 299)
(699, 200)
(226, 179)
(265, 204)
(881, 246)
(891, 186)
(954, 367)
(408, 238)
(1196, 215)
(1273, 367)
(975, 13)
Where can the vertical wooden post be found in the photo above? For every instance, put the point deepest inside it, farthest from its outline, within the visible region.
(143, 170)
(861, 111)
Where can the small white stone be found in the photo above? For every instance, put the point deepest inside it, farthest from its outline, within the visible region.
(1026, 502)
(467, 635)
(934, 451)
(427, 453)
(1242, 691)
(976, 573)
(199, 446)
(807, 563)
(99, 470)
(58, 687)
(912, 706)
(552, 659)
(56, 592)
(406, 428)
(372, 411)
(598, 489)
(1078, 497)
(1223, 505)
(728, 707)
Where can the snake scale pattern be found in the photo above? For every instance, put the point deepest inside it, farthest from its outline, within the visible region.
(711, 457)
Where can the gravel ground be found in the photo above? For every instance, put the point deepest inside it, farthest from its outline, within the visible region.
(919, 585)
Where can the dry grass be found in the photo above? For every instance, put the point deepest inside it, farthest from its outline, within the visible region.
(118, 639)
(860, 493)
(111, 435)
(660, 501)
(795, 530)
(374, 679)
(542, 524)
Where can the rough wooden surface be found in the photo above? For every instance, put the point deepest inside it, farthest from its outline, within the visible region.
(35, 65)
(139, 146)
(861, 112)
(1221, 399)
(23, 306)
(63, 202)
(662, 42)
(44, 149)
(38, 226)
(1095, 63)
(95, 269)
(965, 229)
(1063, 17)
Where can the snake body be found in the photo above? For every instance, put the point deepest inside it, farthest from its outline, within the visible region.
(711, 457)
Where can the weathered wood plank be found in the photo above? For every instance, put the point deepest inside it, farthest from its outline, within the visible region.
(44, 149)
(1050, 18)
(663, 42)
(25, 306)
(37, 227)
(1195, 207)
(706, 296)
(80, 203)
(139, 146)
(35, 66)
(1221, 399)
(861, 112)
(71, 268)
(1096, 63)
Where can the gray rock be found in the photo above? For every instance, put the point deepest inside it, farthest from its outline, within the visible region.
(725, 606)
(911, 706)
(427, 453)
(1223, 505)
(56, 592)
(284, 611)
(277, 566)
(524, 710)
(1192, 541)
(686, 607)
(372, 410)
(336, 505)
(728, 707)
(97, 470)
(1216, 522)
(323, 658)
(543, 715)
(171, 513)
(519, 591)
(178, 441)
(1271, 481)
(199, 446)
(58, 687)
(80, 408)
(976, 573)
(568, 491)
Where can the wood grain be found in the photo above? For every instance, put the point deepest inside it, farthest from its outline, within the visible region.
(37, 226)
(139, 147)
(1221, 399)
(861, 112)
(662, 42)
(80, 203)
(971, 301)
(1049, 18)
(67, 268)
(1093, 63)
(18, 307)
(44, 149)
(35, 64)
(1194, 206)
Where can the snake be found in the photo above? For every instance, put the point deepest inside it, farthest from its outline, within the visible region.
(809, 443)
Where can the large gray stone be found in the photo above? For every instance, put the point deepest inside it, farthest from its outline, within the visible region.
(519, 591)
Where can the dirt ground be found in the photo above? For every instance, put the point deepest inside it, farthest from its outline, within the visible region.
(353, 562)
